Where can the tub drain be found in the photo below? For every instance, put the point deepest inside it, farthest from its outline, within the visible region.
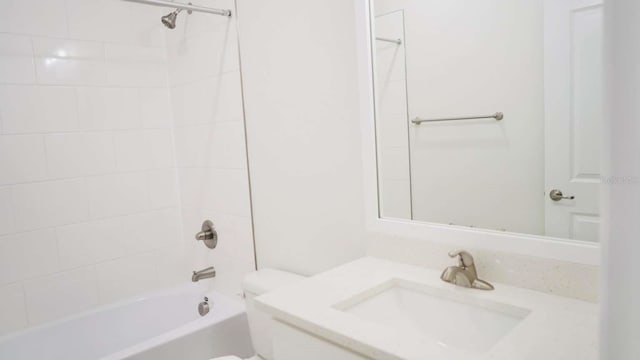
(203, 307)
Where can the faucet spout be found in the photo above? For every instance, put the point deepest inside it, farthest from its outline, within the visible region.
(203, 274)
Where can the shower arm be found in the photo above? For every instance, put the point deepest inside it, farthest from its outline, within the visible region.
(175, 5)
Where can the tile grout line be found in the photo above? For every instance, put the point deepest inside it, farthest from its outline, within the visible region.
(54, 227)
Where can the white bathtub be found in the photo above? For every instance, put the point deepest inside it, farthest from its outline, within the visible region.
(162, 326)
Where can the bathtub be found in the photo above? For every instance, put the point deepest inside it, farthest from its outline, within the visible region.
(161, 326)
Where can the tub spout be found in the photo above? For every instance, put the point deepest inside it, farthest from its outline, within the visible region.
(203, 274)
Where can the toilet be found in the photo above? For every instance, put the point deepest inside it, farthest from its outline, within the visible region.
(256, 284)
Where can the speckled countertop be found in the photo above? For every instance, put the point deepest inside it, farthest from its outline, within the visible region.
(555, 327)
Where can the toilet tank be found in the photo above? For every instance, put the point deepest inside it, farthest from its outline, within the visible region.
(260, 324)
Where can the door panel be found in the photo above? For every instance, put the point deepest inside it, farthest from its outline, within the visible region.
(573, 116)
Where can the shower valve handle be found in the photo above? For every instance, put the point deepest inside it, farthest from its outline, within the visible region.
(208, 234)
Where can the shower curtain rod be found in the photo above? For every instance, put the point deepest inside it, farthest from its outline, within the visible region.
(189, 6)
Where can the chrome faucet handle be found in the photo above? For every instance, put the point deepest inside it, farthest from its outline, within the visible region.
(204, 235)
(465, 274)
(465, 259)
(208, 234)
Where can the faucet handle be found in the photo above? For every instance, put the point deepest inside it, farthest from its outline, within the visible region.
(208, 235)
(464, 258)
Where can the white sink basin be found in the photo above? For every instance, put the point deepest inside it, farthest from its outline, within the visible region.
(451, 318)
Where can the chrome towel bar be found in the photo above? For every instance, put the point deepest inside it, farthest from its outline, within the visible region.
(498, 116)
(395, 41)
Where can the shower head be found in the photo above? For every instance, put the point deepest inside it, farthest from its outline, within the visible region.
(169, 20)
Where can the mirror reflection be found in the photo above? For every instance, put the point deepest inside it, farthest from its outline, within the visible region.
(489, 113)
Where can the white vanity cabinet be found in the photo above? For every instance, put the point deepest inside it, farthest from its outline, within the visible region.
(290, 343)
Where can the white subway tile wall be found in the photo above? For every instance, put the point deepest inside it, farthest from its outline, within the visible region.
(118, 137)
(49, 298)
(13, 311)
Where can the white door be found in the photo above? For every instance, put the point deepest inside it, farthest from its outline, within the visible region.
(573, 116)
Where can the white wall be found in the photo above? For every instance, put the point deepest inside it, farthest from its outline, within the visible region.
(300, 79)
(206, 96)
(471, 58)
(88, 193)
(620, 299)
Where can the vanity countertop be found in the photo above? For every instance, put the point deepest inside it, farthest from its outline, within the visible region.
(554, 328)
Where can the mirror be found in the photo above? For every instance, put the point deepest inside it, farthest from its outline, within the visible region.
(489, 113)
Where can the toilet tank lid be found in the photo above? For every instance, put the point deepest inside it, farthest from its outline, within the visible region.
(265, 280)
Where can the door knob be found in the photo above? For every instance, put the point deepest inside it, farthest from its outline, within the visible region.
(557, 195)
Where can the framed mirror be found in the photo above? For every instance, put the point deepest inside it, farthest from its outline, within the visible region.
(488, 114)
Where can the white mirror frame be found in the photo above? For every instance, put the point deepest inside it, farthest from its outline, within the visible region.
(455, 236)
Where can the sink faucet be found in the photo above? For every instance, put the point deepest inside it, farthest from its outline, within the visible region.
(203, 274)
(465, 273)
